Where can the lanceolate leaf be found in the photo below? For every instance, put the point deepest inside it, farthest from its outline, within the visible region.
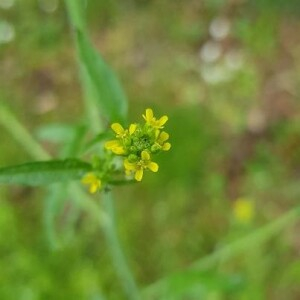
(44, 172)
(110, 95)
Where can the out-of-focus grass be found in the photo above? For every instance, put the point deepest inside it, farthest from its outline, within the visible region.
(234, 125)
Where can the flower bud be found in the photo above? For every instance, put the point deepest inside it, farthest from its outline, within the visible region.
(155, 148)
(132, 158)
(127, 141)
(133, 149)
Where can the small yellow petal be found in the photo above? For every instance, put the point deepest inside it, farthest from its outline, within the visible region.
(129, 166)
(132, 128)
(166, 146)
(145, 155)
(157, 132)
(139, 174)
(88, 178)
(163, 137)
(95, 186)
(153, 166)
(162, 120)
(117, 128)
(112, 144)
(93, 181)
(118, 150)
(149, 114)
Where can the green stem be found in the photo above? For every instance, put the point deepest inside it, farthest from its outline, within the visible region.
(255, 238)
(82, 199)
(75, 11)
(17, 130)
(117, 254)
(107, 221)
(233, 249)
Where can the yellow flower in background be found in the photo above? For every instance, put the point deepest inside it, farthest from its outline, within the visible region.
(243, 210)
(139, 166)
(151, 120)
(91, 180)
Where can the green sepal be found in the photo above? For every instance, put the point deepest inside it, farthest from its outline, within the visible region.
(44, 172)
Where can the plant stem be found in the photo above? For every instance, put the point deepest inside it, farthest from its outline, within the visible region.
(255, 238)
(76, 12)
(17, 130)
(231, 250)
(116, 252)
(107, 221)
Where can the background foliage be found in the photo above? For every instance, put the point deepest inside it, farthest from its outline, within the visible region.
(227, 74)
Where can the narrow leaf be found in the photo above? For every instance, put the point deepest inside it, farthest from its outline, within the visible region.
(55, 132)
(110, 96)
(179, 285)
(44, 172)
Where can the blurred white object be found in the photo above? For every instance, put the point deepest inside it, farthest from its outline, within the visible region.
(48, 6)
(7, 4)
(219, 28)
(234, 60)
(215, 74)
(7, 32)
(210, 52)
(46, 102)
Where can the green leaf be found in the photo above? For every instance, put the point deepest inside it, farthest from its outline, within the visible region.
(55, 132)
(180, 285)
(110, 96)
(44, 172)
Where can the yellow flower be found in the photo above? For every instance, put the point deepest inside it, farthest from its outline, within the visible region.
(132, 128)
(161, 140)
(243, 210)
(92, 181)
(121, 132)
(151, 120)
(116, 146)
(139, 166)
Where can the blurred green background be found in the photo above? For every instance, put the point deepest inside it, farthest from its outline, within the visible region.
(227, 73)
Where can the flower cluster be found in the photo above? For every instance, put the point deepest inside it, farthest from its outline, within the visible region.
(136, 145)
(139, 142)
